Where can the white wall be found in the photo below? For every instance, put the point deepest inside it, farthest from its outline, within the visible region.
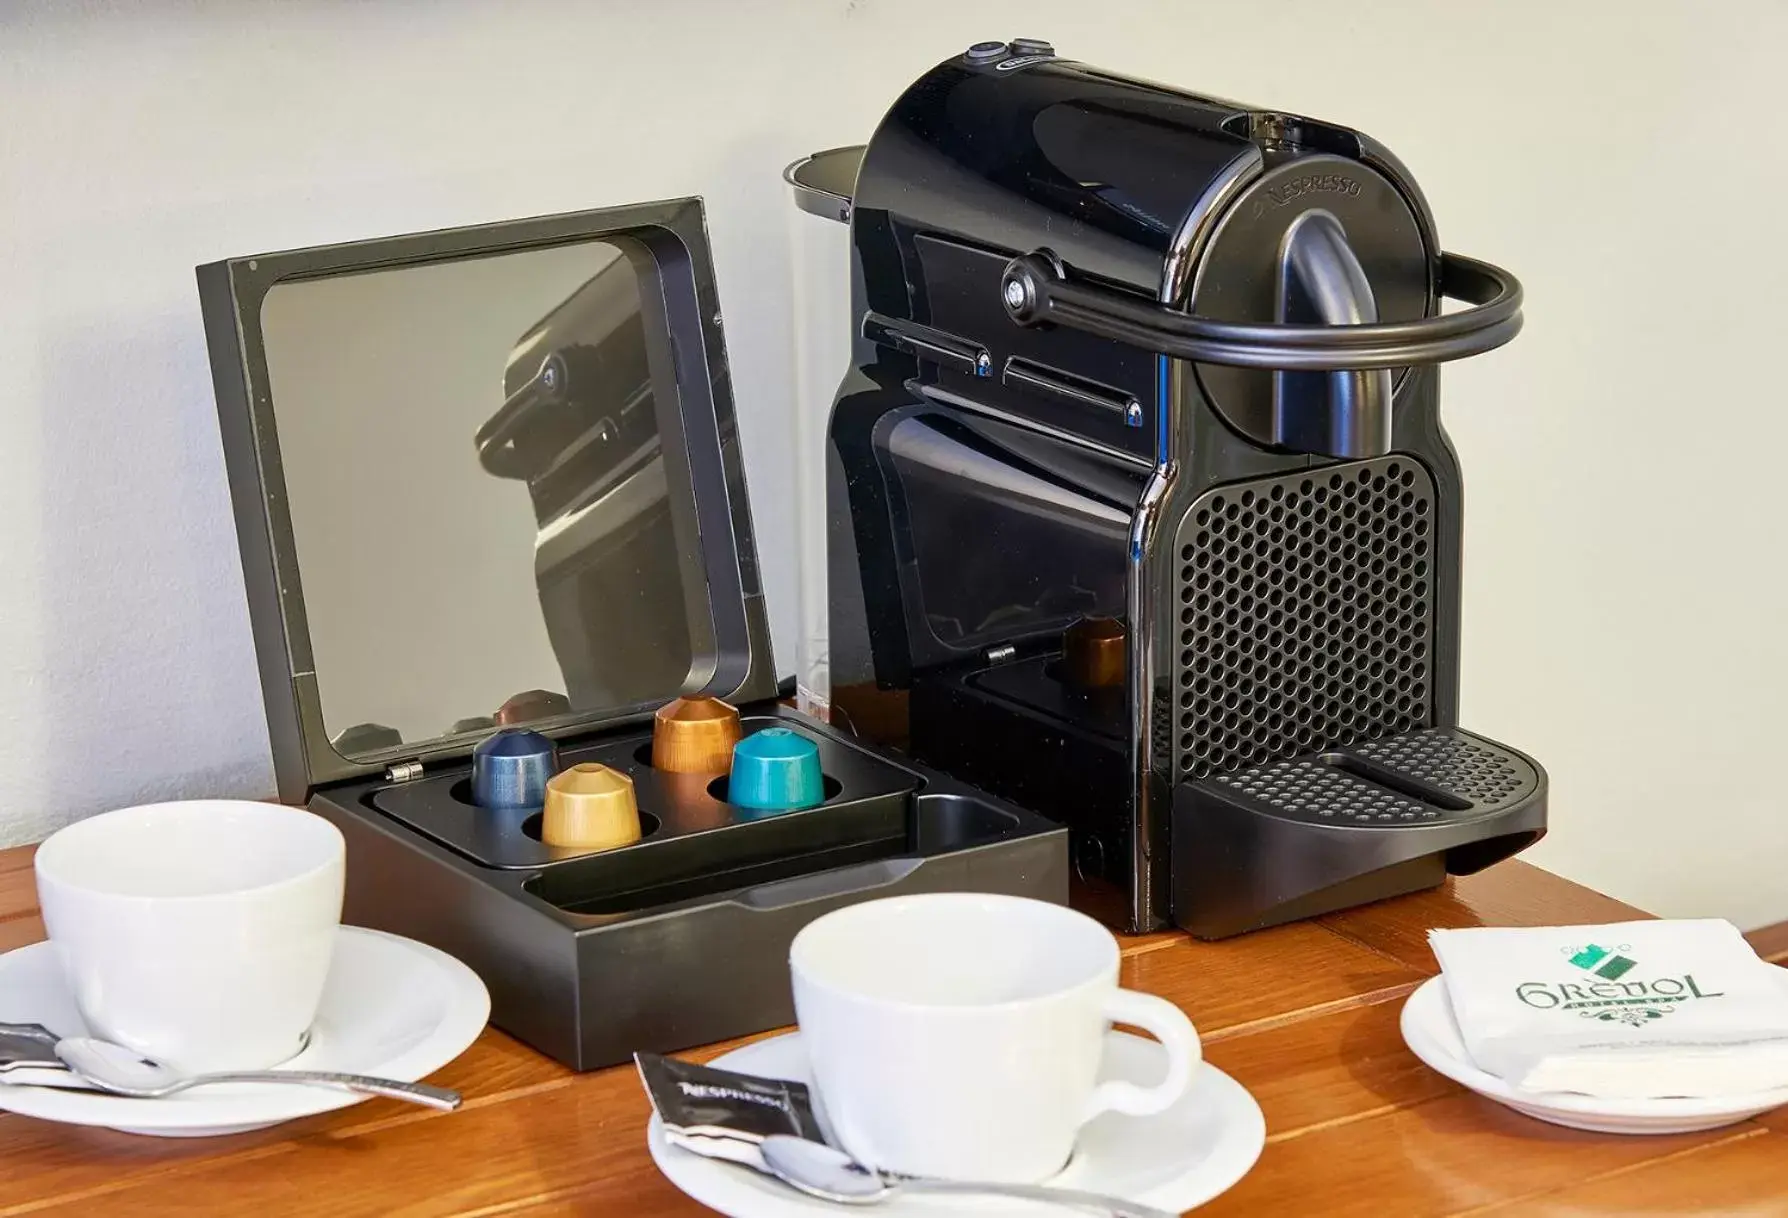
(1625, 583)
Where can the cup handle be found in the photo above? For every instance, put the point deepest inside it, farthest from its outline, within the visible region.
(1169, 1025)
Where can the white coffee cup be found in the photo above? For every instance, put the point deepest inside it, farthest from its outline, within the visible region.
(959, 1034)
(198, 933)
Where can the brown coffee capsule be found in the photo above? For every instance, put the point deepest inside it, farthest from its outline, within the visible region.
(694, 736)
(532, 705)
(589, 807)
(1093, 653)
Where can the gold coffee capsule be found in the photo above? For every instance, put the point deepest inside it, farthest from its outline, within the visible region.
(1093, 653)
(590, 807)
(694, 736)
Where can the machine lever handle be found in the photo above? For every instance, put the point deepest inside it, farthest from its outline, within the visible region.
(1037, 290)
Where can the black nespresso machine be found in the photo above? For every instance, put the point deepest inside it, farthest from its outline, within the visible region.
(1141, 513)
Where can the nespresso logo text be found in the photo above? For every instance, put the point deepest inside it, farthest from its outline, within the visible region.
(1332, 182)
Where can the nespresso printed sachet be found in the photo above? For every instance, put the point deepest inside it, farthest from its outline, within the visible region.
(724, 1114)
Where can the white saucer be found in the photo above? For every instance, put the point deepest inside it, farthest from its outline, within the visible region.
(1432, 1035)
(391, 1007)
(1179, 1159)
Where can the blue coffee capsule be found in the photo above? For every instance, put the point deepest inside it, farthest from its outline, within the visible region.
(510, 769)
(775, 770)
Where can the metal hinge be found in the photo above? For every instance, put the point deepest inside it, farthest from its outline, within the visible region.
(403, 771)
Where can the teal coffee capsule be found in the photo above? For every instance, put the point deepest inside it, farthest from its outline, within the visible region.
(776, 770)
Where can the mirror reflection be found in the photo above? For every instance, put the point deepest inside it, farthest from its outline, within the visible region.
(476, 477)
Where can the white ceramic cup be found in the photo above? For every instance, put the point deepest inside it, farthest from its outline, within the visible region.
(198, 933)
(959, 1035)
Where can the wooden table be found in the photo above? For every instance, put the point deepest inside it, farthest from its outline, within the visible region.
(1304, 1016)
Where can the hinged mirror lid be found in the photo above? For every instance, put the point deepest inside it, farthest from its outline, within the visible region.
(483, 477)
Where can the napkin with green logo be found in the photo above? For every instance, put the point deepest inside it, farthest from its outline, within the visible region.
(1627, 1010)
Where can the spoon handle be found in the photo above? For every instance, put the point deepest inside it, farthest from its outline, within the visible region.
(1117, 1207)
(34, 1032)
(416, 1093)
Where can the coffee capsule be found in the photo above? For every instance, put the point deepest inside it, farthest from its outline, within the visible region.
(694, 736)
(775, 770)
(590, 807)
(531, 706)
(365, 738)
(510, 769)
(1093, 653)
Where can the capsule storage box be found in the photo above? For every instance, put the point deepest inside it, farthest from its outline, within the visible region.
(489, 478)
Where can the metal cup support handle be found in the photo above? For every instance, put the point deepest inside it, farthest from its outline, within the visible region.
(1319, 279)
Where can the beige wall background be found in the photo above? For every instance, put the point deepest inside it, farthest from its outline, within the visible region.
(1625, 583)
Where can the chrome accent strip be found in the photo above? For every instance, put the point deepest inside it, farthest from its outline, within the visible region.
(1145, 525)
(1194, 232)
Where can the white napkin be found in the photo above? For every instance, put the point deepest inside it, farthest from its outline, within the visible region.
(1626, 1010)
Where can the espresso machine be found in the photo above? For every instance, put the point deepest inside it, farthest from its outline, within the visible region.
(1140, 512)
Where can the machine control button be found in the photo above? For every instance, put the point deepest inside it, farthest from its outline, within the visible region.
(1031, 46)
(986, 52)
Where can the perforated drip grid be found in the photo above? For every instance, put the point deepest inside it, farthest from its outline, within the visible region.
(1477, 775)
(1308, 788)
(1306, 602)
(1457, 765)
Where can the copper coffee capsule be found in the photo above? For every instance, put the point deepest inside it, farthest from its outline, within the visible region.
(694, 736)
(590, 807)
(1093, 653)
(532, 705)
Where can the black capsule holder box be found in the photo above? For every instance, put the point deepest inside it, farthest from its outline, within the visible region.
(681, 938)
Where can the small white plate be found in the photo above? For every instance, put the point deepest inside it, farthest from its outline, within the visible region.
(1176, 1160)
(391, 1007)
(1432, 1034)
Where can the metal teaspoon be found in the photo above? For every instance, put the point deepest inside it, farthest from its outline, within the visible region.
(122, 1071)
(831, 1175)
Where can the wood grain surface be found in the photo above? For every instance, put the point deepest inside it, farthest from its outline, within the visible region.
(1304, 1016)
(1771, 942)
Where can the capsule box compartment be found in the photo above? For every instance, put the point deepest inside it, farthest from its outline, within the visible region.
(681, 938)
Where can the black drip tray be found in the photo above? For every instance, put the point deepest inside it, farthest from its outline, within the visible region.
(1419, 778)
(1304, 836)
